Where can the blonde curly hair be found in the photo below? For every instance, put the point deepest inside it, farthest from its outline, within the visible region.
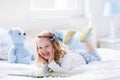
(59, 49)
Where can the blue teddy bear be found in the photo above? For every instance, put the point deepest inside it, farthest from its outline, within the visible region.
(18, 53)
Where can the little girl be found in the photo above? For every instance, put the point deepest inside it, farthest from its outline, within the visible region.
(51, 56)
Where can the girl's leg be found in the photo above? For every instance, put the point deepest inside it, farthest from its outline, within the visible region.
(89, 46)
(92, 54)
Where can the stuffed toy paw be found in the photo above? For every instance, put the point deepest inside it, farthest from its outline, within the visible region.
(86, 34)
(19, 53)
(69, 37)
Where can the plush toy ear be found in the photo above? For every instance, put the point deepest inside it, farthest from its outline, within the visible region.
(69, 36)
(86, 34)
(10, 32)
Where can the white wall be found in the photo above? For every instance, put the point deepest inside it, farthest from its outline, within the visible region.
(16, 13)
(101, 22)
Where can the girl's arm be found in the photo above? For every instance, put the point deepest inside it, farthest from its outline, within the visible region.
(42, 69)
(43, 64)
(64, 66)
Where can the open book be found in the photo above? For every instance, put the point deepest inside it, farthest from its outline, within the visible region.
(33, 74)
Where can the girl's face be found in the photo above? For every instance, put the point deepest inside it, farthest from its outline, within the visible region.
(45, 48)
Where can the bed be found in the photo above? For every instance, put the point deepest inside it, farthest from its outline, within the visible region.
(107, 69)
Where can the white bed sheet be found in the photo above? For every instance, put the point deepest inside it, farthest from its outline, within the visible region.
(107, 69)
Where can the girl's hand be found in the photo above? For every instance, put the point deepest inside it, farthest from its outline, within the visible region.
(52, 56)
(43, 60)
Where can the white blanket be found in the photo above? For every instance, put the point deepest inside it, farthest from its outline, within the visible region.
(107, 69)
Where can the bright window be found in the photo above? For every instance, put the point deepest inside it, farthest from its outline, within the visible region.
(57, 7)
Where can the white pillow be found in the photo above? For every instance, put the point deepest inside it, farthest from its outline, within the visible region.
(4, 44)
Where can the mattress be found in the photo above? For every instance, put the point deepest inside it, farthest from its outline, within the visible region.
(107, 69)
